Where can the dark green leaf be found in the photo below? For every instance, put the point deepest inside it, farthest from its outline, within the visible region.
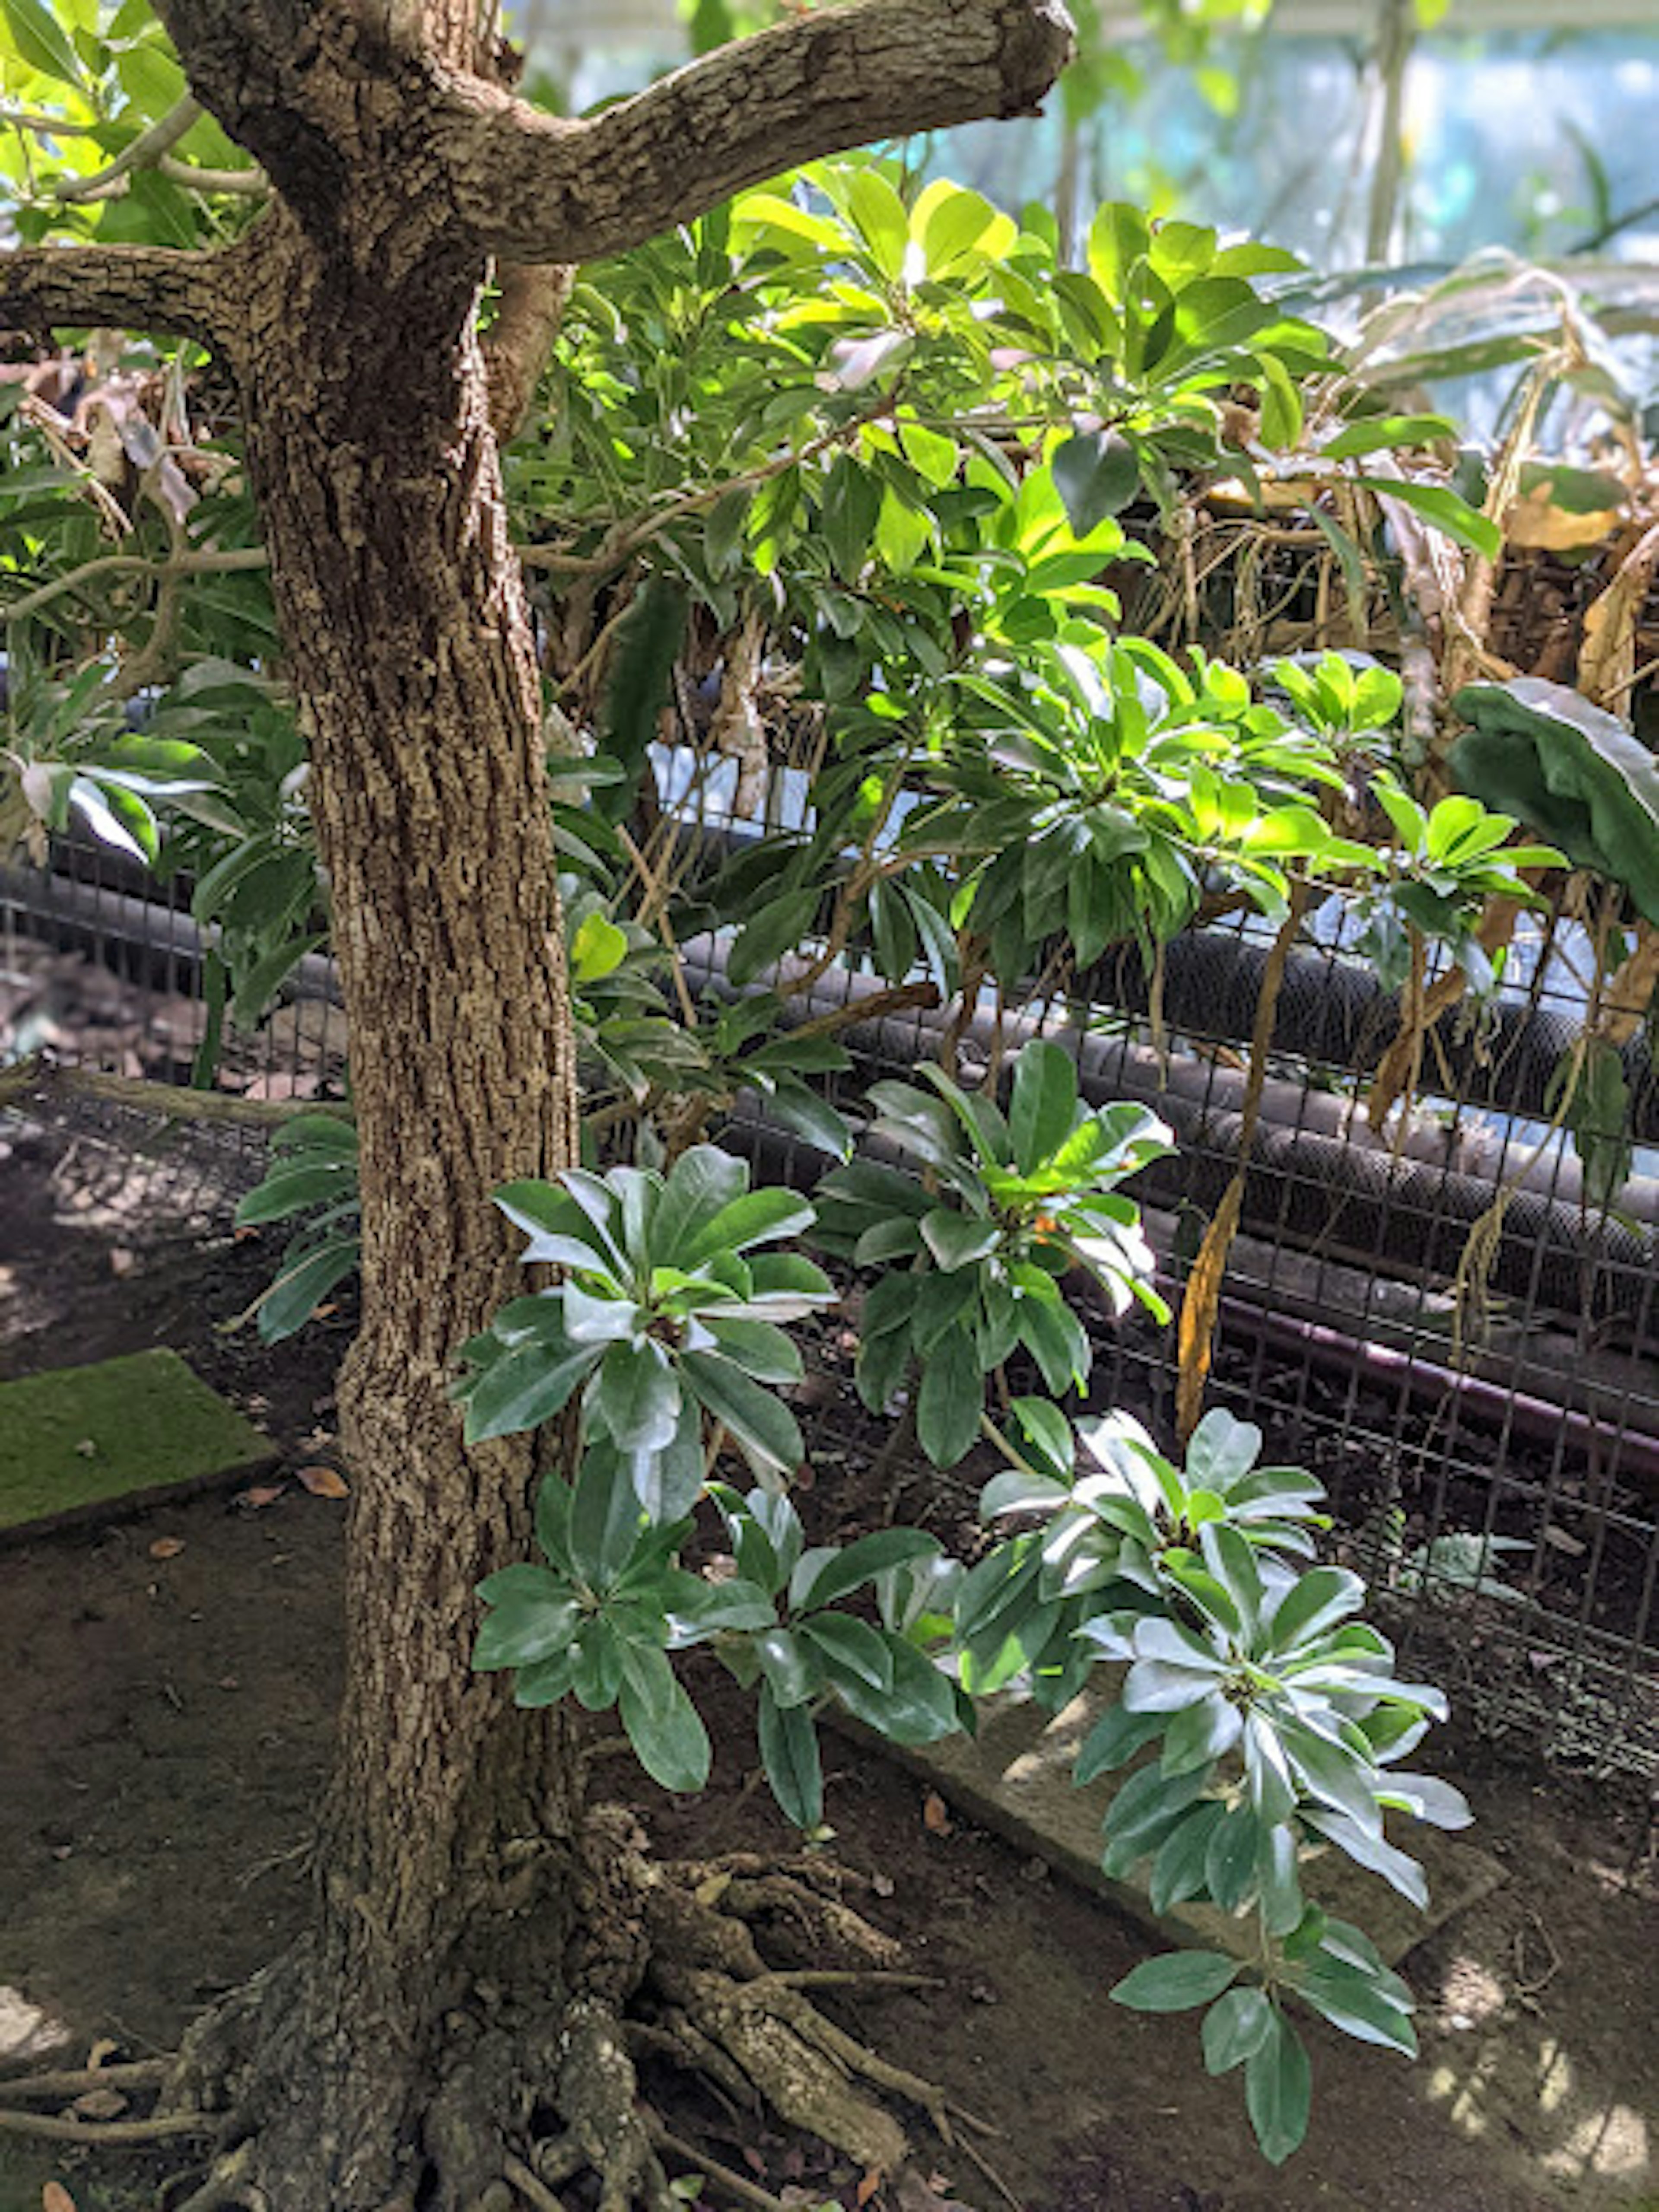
(1279, 2090)
(1236, 2025)
(1176, 1982)
(789, 1752)
(762, 1426)
(950, 1399)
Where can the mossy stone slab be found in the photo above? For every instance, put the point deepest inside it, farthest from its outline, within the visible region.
(79, 1443)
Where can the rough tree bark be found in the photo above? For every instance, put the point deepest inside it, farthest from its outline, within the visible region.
(469, 1953)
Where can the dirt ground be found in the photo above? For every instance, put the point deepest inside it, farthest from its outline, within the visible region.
(170, 1684)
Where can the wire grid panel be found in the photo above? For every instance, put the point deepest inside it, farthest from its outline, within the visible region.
(1488, 1431)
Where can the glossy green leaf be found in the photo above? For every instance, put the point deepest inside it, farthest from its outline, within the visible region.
(789, 1753)
(1279, 2090)
(1175, 1982)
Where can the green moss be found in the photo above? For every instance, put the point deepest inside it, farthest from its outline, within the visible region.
(82, 1439)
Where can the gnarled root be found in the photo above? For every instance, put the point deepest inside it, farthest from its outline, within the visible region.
(527, 2078)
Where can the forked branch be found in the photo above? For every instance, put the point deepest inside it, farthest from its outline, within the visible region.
(536, 187)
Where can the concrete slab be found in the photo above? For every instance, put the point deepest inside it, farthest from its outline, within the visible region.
(1015, 1779)
(79, 1443)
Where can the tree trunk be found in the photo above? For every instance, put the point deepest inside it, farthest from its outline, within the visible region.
(409, 648)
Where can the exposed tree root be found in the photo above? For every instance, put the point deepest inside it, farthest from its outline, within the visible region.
(530, 2083)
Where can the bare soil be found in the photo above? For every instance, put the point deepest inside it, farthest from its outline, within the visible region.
(170, 1686)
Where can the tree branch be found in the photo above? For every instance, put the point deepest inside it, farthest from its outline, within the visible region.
(519, 340)
(536, 187)
(127, 287)
(142, 152)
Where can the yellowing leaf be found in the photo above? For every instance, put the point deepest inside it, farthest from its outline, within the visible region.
(1195, 1337)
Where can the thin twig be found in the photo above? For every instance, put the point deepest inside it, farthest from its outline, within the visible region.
(213, 563)
(137, 2074)
(144, 152)
(735, 2186)
(843, 1978)
(633, 533)
(44, 126)
(163, 2127)
(243, 184)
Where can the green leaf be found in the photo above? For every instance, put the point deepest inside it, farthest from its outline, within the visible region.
(294, 1186)
(1235, 2028)
(528, 1621)
(1112, 1741)
(792, 1672)
(1352, 1999)
(841, 1571)
(1176, 1982)
(761, 1427)
(950, 1399)
(789, 1752)
(561, 1230)
(525, 1387)
(769, 933)
(669, 1739)
(919, 1707)
(637, 1396)
(669, 1482)
(1230, 1861)
(39, 42)
(1178, 1863)
(762, 1351)
(306, 1280)
(1439, 505)
(880, 216)
(604, 1517)
(1043, 1105)
(1377, 432)
(1096, 474)
(758, 1217)
(1542, 753)
(957, 1239)
(1314, 1603)
(1279, 2090)
(852, 1647)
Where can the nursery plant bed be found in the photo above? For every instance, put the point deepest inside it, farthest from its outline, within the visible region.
(81, 1444)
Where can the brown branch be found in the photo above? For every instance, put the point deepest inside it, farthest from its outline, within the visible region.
(162, 2128)
(214, 561)
(536, 187)
(35, 1076)
(516, 347)
(125, 288)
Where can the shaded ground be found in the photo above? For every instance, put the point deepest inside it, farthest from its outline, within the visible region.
(171, 1682)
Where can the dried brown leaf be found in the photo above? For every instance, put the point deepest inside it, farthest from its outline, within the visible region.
(262, 1494)
(54, 2197)
(935, 1814)
(166, 1547)
(100, 2105)
(322, 1482)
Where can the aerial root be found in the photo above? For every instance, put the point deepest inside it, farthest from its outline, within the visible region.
(65, 2088)
(229, 2184)
(736, 2187)
(718, 1968)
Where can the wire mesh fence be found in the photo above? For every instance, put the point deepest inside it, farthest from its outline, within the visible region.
(1437, 1317)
